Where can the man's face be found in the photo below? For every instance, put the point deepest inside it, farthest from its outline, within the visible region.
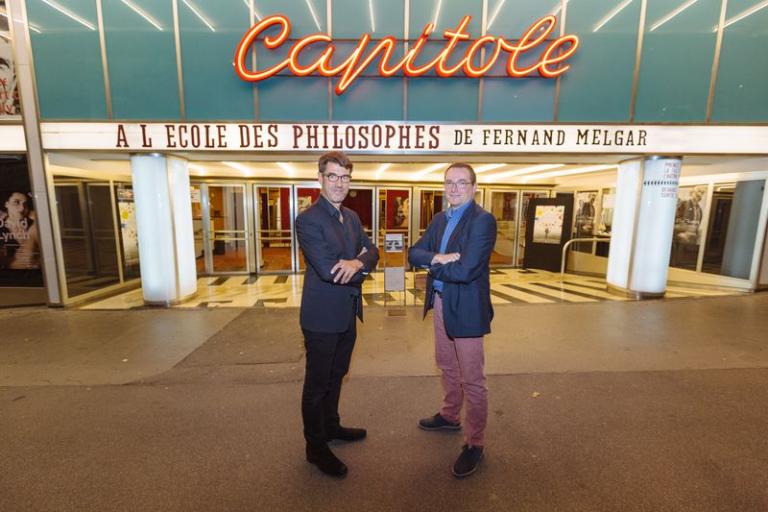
(334, 182)
(459, 188)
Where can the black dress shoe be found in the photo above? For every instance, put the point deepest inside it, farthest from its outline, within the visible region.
(346, 434)
(437, 422)
(468, 461)
(322, 457)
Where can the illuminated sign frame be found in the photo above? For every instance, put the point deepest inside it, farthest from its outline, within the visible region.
(548, 65)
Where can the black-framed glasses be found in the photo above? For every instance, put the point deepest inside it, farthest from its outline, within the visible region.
(333, 178)
(462, 184)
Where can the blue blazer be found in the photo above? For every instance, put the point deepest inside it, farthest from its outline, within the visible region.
(467, 308)
(326, 306)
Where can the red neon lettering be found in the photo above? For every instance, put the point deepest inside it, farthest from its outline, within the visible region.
(549, 64)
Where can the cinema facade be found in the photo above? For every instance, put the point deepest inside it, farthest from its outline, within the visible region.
(150, 142)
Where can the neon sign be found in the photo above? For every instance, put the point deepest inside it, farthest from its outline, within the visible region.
(549, 65)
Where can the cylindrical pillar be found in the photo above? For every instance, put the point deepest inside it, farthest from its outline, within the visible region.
(643, 224)
(164, 225)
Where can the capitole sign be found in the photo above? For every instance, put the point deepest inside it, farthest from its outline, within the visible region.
(549, 65)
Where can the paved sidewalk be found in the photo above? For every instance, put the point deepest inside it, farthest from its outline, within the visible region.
(650, 406)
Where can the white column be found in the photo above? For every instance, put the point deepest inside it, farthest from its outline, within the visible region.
(164, 224)
(643, 224)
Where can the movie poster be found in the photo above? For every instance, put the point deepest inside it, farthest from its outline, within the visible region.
(126, 208)
(19, 237)
(9, 94)
(548, 224)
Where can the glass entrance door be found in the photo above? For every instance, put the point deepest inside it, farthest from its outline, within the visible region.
(394, 211)
(220, 228)
(504, 207)
(525, 198)
(274, 218)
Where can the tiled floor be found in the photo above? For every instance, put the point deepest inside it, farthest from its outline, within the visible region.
(508, 286)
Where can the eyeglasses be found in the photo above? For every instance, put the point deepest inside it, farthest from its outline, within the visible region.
(462, 184)
(333, 178)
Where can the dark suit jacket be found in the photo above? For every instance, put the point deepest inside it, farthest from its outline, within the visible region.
(467, 309)
(327, 306)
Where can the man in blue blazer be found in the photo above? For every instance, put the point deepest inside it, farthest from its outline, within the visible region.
(456, 248)
(338, 255)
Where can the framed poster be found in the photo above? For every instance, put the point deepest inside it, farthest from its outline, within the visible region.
(548, 227)
(548, 224)
(19, 238)
(9, 92)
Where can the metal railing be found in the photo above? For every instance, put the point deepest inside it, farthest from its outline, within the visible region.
(573, 240)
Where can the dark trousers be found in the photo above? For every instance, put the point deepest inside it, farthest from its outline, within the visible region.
(328, 356)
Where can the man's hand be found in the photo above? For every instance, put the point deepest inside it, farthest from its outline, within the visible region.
(344, 270)
(443, 259)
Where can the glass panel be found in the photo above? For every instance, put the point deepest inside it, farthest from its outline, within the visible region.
(228, 234)
(275, 246)
(19, 238)
(584, 226)
(356, 105)
(432, 203)
(305, 196)
(446, 14)
(103, 232)
(740, 89)
(394, 218)
(677, 50)
(526, 99)
(86, 223)
(142, 55)
(599, 84)
(197, 228)
(527, 196)
(129, 240)
(360, 200)
(687, 233)
(208, 36)
(504, 209)
(380, 18)
(604, 226)
(437, 99)
(9, 93)
(307, 16)
(68, 70)
(733, 227)
(293, 99)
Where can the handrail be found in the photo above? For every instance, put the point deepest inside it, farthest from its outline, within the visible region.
(572, 240)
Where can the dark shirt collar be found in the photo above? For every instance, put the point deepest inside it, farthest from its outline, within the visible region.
(328, 207)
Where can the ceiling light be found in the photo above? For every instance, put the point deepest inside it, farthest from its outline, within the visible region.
(495, 13)
(486, 168)
(314, 14)
(569, 172)
(287, 168)
(672, 14)
(748, 12)
(524, 170)
(240, 167)
(611, 15)
(141, 12)
(66, 12)
(199, 14)
(428, 170)
(381, 170)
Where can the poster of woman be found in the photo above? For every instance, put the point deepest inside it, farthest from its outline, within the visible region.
(9, 95)
(19, 238)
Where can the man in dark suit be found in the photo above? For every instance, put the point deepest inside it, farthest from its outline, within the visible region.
(456, 248)
(339, 255)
